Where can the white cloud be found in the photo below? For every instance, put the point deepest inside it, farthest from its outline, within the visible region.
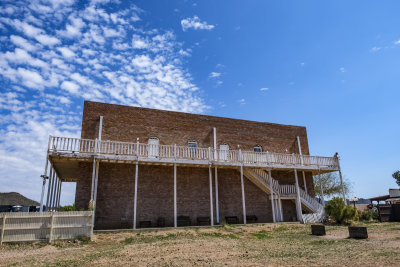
(196, 24)
(23, 43)
(214, 75)
(397, 42)
(242, 101)
(71, 87)
(264, 89)
(375, 49)
(57, 55)
(66, 52)
(342, 69)
(302, 64)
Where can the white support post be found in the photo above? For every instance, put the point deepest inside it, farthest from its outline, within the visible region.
(44, 176)
(321, 187)
(342, 185)
(100, 127)
(135, 198)
(3, 227)
(211, 196)
(95, 193)
(272, 195)
(280, 208)
(51, 227)
(298, 199)
(243, 196)
(216, 195)
(58, 196)
(54, 198)
(302, 163)
(304, 182)
(93, 179)
(175, 206)
(49, 187)
(52, 190)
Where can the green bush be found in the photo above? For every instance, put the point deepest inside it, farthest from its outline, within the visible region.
(340, 212)
(369, 215)
(68, 208)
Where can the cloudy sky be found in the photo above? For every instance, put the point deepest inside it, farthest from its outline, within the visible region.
(332, 67)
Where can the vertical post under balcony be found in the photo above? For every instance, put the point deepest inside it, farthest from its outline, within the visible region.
(280, 207)
(49, 187)
(243, 196)
(302, 163)
(272, 195)
(341, 180)
(135, 196)
(216, 195)
(211, 195)
(321, 187)
(175, 204)
(298, 199)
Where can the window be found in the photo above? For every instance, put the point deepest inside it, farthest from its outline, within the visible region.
(192, 147)
(257, 148)
(153, 147)
(223, 151)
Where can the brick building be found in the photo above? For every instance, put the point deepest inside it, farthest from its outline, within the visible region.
(144, 167)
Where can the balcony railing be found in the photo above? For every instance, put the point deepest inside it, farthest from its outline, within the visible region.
(89, 146)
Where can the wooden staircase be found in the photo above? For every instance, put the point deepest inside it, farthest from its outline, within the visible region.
(261, 178)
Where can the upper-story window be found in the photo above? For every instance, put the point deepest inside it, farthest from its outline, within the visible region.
(257, 148)
(192, 146)
(223, 151)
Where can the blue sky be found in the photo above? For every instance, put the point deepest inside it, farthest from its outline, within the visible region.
(332, 66)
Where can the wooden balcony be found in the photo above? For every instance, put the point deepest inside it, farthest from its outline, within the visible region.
(114, 151)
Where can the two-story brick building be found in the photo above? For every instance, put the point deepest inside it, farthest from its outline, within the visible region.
(142, 167)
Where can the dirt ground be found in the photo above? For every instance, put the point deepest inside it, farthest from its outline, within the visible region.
(250, 245)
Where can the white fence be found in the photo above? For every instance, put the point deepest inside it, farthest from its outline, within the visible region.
(45, 226)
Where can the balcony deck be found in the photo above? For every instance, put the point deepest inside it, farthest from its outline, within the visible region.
(63, 151)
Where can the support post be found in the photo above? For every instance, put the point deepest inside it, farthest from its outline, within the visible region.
(298, 199)
(243, 196)
(44, 176)
(211, 196)
(215, 143)
(49, 187)
(302, 163)
(280, 208)
(93, 179)
(304, 182)
(175, 206)
(52, 190)
(3, 227)
(321, 187)
(51, 227)
(54, 197)
(272, 195)
(95, 193)
(135, 198)
(216, 195)
(58, 196)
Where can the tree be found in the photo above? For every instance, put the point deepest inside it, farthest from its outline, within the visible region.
(331, 185)
(396, 176)
(339, 212)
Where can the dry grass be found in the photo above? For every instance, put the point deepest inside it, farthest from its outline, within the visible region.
(279, 244)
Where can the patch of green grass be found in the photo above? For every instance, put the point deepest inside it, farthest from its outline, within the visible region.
(385, 254)
(220, 235)
(262, 234)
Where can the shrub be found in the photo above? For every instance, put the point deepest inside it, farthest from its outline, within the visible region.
(340, 212)
(369, 215)
(67, 208)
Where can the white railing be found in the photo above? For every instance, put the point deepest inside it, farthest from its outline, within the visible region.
(287, 189)
(76, 145)
(263, 176)
(44, 226)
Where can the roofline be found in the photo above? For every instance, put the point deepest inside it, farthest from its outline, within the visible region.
(209, 116)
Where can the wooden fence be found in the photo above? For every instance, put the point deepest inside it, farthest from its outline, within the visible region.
(45, 226)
